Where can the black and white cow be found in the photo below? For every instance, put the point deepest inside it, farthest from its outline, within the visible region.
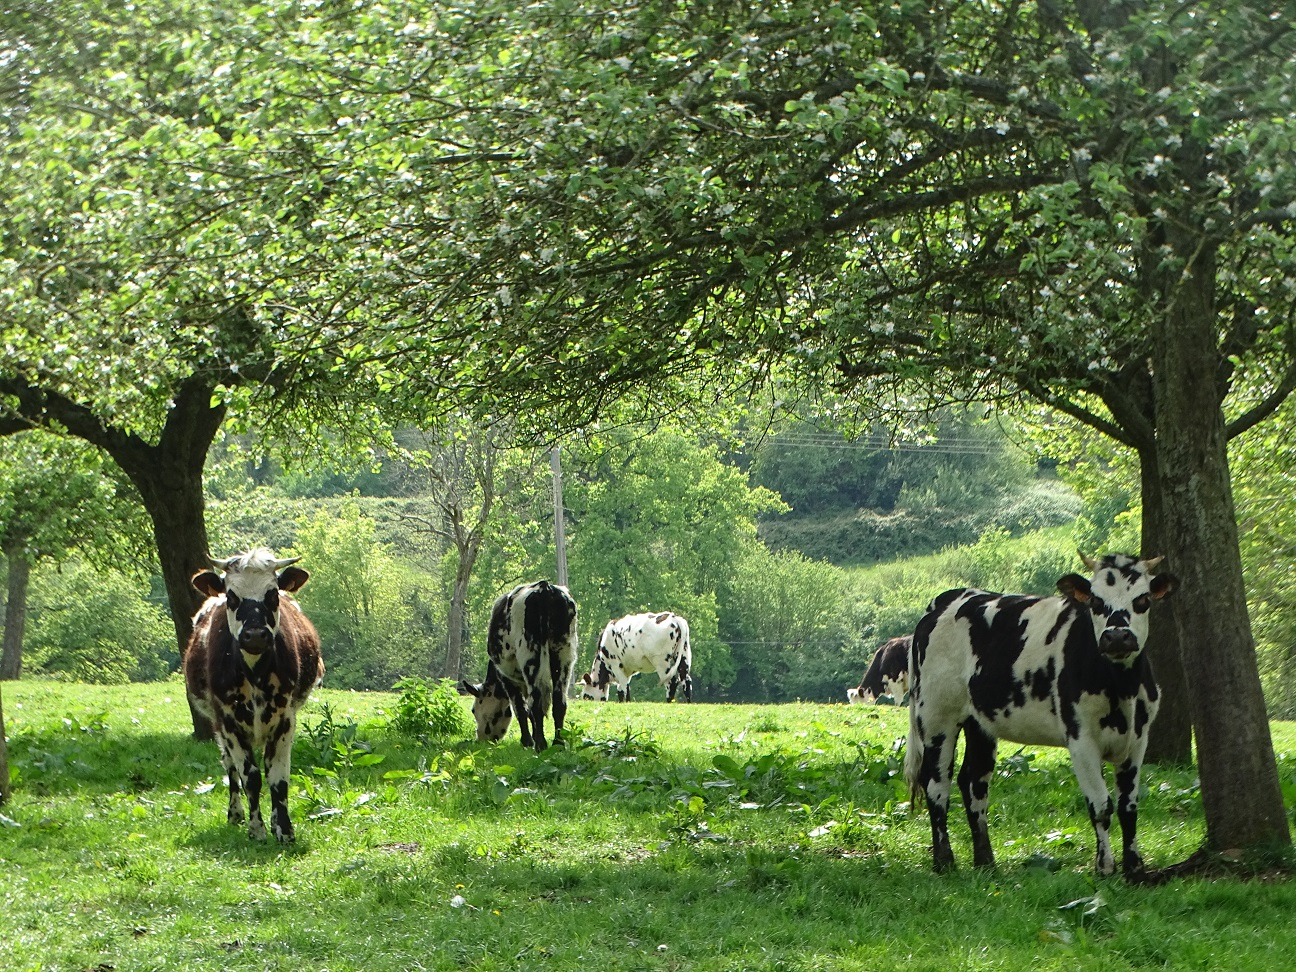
(532, 652)
(251, 661)
(641, 643)
(1043, 671)
(888, 673)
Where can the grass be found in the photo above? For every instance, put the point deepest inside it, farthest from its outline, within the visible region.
(665, 837)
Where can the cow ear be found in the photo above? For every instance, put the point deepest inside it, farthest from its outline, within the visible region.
(293, 579)
(586, 679)
(209, 583)
(1075, 587)
(1163, 585)
(470, 688)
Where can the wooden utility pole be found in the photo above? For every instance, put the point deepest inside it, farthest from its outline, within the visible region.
(560, 537)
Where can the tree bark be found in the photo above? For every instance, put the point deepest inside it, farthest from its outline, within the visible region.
(1170, 739)
(169, 477)
(1240, 789)
(15, 612)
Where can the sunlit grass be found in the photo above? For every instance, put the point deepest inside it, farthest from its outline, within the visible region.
(663, 837)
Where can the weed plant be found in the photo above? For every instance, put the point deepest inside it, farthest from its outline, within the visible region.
(709, 837)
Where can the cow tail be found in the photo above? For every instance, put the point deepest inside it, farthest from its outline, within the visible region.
(913, 757)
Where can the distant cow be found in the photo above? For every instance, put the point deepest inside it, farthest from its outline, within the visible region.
(1043, 671)
(251, 662)
(641, 643)
(532, 649)
(888, 673)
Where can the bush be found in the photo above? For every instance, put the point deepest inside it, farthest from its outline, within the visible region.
(95, 625)
(424, 711)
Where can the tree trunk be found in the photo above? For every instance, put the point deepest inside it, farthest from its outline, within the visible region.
(1239, 778)
(15, 612)
(169, 477)
(1170, 740)
(455, 624)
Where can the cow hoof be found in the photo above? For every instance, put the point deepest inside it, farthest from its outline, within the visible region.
(285, 836)
(235, 818)
(256, 830)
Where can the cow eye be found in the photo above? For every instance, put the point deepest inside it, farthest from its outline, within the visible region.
(1142, 602)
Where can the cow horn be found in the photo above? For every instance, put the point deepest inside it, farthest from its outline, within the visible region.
(1151, 563)
(286, 562)
(1089, 562)
(218, 563)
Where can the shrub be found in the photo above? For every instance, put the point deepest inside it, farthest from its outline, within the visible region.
(429, 711)
(95, 625)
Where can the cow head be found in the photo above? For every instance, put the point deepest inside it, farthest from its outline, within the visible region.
(1118, 597)
(596, 688)
(251, 585)
(491, 708)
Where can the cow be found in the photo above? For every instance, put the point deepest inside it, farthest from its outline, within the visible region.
(251, 662)
(531, 646)
(888, 673)
(641, 643)
(1066, 670)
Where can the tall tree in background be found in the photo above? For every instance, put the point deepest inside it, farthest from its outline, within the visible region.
(143, 255)
(468, 470)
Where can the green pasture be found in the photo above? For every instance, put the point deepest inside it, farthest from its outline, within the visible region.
(663, 837)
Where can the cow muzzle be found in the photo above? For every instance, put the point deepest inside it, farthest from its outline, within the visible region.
(1118, 644)
(255, 640)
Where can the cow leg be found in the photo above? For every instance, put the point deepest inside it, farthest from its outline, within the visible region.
(1127, 784)
(934, 779)
(560, 675)
(518, 701)
(623, 696)
(974, 783)
(278, 761)
(1087, 763)
(234, 815)
(244, 760)
(537, 709)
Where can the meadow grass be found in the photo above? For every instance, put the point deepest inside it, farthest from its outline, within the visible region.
(663, 837)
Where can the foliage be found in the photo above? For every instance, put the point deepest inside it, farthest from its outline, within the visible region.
(657, 523)
(424, 710)
(782, 617)
(89, 623)
(58, 496)
(361, 601)
(1263, 462)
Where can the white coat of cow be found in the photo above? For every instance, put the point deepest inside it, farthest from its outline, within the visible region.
(653, 642)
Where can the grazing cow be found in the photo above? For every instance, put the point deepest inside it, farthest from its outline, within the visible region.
(1043, 671)
(641, 643)
(249, 668)
(532, 649)
(888, 673)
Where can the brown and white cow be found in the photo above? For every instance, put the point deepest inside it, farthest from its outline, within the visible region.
(531, 646)
(251, 662)
(887, 674)
(1042, 671)
(657, 642)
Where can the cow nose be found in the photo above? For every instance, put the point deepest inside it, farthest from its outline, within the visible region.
(1118, 641)
(254, 639)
